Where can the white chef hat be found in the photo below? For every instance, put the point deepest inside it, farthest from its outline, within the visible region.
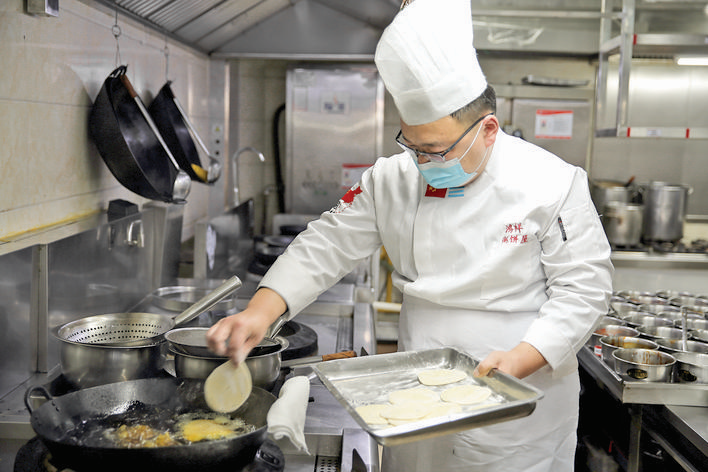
(428, 62)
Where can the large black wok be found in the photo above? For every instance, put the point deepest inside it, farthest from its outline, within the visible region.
(60, 420)
(129, 146)
(177, 130)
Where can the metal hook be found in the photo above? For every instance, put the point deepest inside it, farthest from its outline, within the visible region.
(117, 31)
(166, 52)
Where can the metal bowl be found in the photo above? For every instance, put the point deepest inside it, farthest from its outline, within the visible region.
(640, 297)
(657, 332)
(610, 330)
(700, 300)
(611, 343)
(677, 316)
(693, 324)
(658, 309)
(668, 294)
(647, 319)
(189, 341)
(646, 365)
(676, 345)
(691, 367)
(264, 368)
(700, 335)
(622, 307)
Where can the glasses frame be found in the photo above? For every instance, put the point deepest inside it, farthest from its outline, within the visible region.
(437, 156)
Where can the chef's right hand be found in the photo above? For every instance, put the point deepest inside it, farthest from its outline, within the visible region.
(235, 335)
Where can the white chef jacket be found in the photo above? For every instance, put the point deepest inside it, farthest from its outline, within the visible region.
(519, 254)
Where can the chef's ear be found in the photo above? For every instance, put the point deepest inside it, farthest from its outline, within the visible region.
(490, 127)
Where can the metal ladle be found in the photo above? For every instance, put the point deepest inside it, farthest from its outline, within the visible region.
(182, 183)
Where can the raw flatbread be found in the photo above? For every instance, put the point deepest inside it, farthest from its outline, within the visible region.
(441, 376)
(227, 387)
(466, 394)
(413, 395)
(443, 409)
(406, 411)
(372, 413)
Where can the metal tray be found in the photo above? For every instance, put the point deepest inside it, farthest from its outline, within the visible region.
(370, 379)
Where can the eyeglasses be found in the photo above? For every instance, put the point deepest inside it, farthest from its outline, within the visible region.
(435, 156)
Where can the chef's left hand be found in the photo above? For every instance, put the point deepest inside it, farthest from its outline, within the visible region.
(521, 361)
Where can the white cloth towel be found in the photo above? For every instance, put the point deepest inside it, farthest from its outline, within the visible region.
(286, 418)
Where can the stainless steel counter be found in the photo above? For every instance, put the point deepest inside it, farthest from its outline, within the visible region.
(647, 400)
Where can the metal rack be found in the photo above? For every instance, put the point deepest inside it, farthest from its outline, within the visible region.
(628, 45)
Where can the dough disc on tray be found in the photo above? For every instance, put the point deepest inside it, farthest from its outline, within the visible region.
(413, 395)
(466, 394)
(441, 376)
(372, 413)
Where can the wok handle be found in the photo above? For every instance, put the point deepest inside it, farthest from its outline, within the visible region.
(37, 388)
(208, 301)
(131, 91)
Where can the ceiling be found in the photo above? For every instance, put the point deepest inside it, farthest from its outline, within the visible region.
(351, 28)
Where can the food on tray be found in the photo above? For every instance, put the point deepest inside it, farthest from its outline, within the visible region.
(413, 395)
(443, 409)
(409, 411)
(372, 413)
(466, 394)
(200, 430)
(441, 376)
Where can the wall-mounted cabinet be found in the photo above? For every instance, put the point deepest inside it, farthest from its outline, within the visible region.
(641, 92)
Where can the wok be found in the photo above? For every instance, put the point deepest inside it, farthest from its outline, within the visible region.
(177, 130)
(130, 147)
(63, 424)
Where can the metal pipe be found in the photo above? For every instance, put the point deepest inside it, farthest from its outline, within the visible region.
(234, 169)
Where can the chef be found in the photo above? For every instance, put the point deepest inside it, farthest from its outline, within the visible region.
(497, 248)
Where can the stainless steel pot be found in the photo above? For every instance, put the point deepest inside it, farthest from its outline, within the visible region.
(264, 367)
(623, 223)
(605, 191)
(611, 343)
(691, 367)
(114, 347)
(644, 364)
(676, 345)
(664, 210)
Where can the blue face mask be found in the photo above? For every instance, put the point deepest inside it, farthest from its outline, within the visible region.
(450, 173)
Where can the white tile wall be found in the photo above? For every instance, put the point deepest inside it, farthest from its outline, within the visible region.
(51, 69)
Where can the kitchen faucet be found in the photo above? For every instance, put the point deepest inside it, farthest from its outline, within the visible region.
(234, 169)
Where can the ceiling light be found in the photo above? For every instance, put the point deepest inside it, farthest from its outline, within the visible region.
(692, 60)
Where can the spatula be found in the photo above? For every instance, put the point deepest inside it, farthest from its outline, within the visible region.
(227, 387)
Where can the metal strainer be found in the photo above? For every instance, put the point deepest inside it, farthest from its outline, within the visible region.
(137, 329)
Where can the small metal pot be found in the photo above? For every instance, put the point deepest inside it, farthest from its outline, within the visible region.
(693, 323)
(676, 345)
(664, 210)
(657, 332)
(677, 316)
(608, 330)
(611, 343)
(605, 191)
(658, 309)
(644, 364)
(640, 297)
(645, 319)
(264, 368)
(699, 334)
(623, 223)
(621, 308)
(691, 367)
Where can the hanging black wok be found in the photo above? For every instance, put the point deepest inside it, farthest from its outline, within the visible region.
(66, 425)
(177, 130)
(129, 146)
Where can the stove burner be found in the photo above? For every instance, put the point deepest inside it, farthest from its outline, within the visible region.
(35, 457)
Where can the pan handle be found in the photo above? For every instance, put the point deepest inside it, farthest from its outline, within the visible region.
(37, 388)
(208, 301)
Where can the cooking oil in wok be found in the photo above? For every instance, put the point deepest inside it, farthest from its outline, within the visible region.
(142, 426)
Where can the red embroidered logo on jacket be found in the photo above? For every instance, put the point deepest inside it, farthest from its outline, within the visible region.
(435, 192)
(346, 200)
(514, 234)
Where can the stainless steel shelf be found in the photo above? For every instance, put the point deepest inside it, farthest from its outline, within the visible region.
(648, 393)
(658, 45)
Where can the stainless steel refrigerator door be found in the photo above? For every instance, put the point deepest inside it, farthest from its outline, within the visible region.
(334, 126)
